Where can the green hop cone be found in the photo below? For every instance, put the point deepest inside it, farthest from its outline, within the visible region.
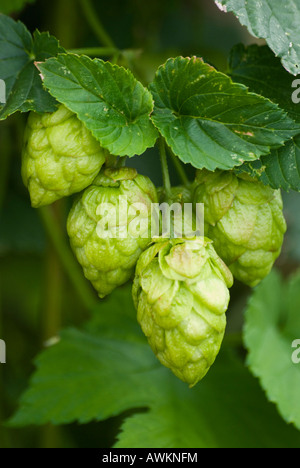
(245, 221)
(110, 226)
(60, 156)
(181, 295)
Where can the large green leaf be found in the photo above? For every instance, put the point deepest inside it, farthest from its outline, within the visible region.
(85, 377)
(109, 368)
(272, 325)
(11, 6)
(114, 106)
(94, 373)
(280, 169)
(276, 21)
(211, 122)
(18, 52)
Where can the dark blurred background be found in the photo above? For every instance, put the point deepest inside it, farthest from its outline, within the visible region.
(36, 298)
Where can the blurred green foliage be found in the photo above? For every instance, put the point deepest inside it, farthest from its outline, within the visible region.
(36, 298)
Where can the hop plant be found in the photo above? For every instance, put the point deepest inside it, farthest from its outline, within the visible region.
(181, 295)
(60, 156)
(244, 219)
(179, 219)
(107, 232)
(178, 194)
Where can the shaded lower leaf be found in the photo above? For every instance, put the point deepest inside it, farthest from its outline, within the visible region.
(257, 68)
(115, 318)
(107, 98)
(92, 375)
(280, 169)
(86, 377)
(226, 410)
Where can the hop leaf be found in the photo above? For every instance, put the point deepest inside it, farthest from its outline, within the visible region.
(181, 295)
(244, 219)
(60, 156)
(110, 225)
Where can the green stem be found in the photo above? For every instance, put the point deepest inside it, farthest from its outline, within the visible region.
(51, 436)
(115, 58)
(95, 51)
(180, 170)
(66, 257)
(164, 167)
(95, 23)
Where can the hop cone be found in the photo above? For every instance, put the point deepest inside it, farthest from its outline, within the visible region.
(245, 221)
(106, 233)
(181, 296)
(60, 156)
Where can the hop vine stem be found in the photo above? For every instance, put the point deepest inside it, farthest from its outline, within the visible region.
(164, 167)
(95, 24)
(109, 48)
(179, 168)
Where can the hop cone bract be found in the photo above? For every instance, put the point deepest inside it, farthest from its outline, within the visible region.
(181, 295)
(60, 156)
(244, 219)
(106, 232)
